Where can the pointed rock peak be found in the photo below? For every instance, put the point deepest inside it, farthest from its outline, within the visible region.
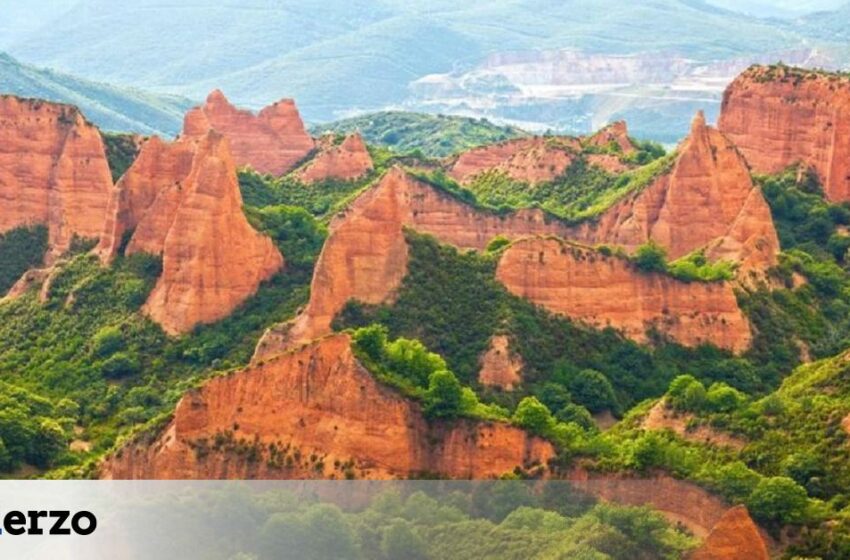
(616, 132)
(217, 97)
(354, 142)
(698, 122)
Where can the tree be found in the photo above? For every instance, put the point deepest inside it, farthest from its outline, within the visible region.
(532, 415)
(107, 341)
(372, 340)
(412, 360)
(592, 389)
(119, 365)
(687, 393)
(576, 414)
(723, 398)
(400, 542)
(778, 499)
(444, 395)
(553, 395)
(651, 257)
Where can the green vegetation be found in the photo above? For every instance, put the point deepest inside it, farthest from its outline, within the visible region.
(21, 248)
(110, 107)
(501, 520)
(427, 135)
(33, 430)
(812, 313)
(694, 267)
(582, 192)
(121, 151)
(321, 199)
(451, 302)
(794, 465)
(408, 366)
(90, 344)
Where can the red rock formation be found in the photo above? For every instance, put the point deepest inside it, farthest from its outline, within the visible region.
(272, 141)
(734, 537)
(782, 116)
(182, 201)
(365, 255)
(707, 201)
(159, 167)
(533, 160)
(499, 366)
(318, 402)
(678, 500)
(347, 161)
(608, 162)
(53, 171)
(616, 133)
(602, 291)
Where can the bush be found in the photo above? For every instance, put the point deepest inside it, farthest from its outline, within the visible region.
(651, 257)
(687, 393)
(532, 415)
(593, 390)
(120, 365)
(778, 499)
(443, 398)
(723, 398)
(107, 341)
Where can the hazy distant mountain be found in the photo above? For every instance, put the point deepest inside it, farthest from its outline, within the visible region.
(110, 107)
(778, 8)
(344, 57)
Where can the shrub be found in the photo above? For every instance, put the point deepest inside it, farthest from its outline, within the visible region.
(778, 499)
(532, 415)
(687, 393)
(120, 365)
(651, 257)
(592, 389)
(443, 398)
(107, 341)
(723, 398)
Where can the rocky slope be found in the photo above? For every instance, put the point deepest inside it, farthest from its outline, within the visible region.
(500, 367)
(533, 160)
(707, 200)
(181, 200)
(53, 171)
(603, 291)
(616, 133)
(779, 116)
(317, 413)
(272, 141)
(365, 255)
(734, 537)
(346, 161)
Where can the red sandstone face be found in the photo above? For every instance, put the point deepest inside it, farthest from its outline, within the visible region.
(778, 119)
(348, 161)
(708, 200)
(272, 141)
(607, 291)
(734, 537)
(532, 160)
(53, 171)
(321, 401)
(182, 201)
(616, 133)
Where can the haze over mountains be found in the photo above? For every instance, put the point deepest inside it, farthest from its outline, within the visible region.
(533, 63)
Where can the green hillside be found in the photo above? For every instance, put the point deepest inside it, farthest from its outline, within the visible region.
(111, 108)
(432, 135)
(332, 55)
